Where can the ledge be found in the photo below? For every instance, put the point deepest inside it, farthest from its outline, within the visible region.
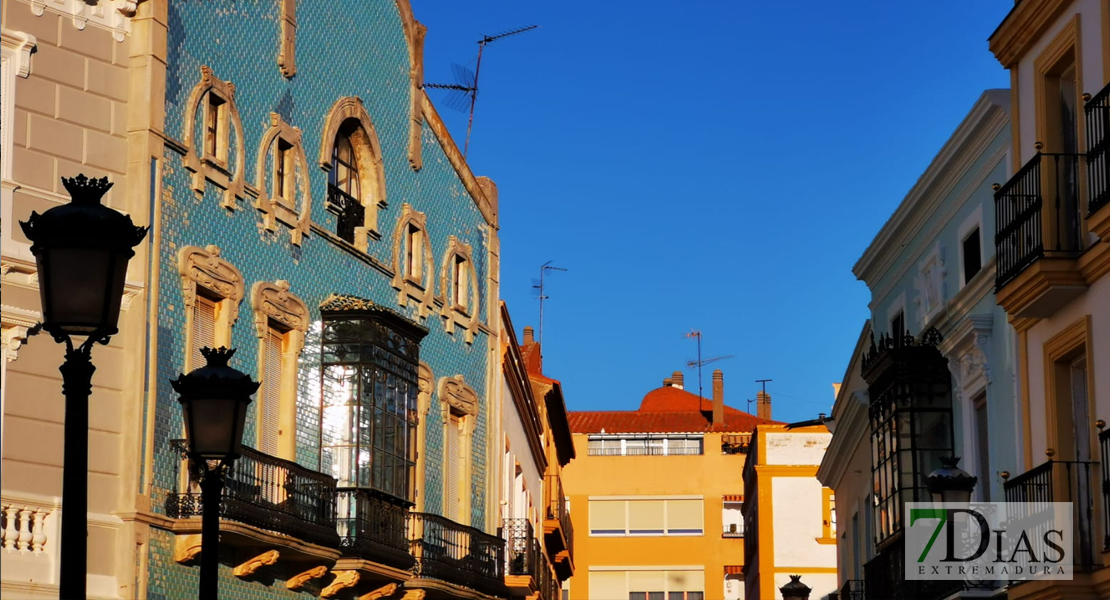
(239, 535)
(1042, 288)
(1099, 223)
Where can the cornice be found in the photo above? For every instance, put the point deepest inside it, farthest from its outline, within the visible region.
(521, 391)
(988, 117)
(486, 205)
(1022, 27)
(851, 431)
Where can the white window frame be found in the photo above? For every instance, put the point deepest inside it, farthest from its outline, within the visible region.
(16, 62)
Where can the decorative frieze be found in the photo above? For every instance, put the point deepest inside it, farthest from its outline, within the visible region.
(113, 15)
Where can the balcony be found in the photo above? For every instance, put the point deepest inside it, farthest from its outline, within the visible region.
(1038, 236)
(1063, 481)
(349, 213)
(528, 570)
(885, 575)
(853, 589)
(269, 496)
(557, 528)
(374, 529)
(449, 552)
(1097, 113)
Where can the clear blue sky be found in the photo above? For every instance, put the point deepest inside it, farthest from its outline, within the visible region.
(715, 165)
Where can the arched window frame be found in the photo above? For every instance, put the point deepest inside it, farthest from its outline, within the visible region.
(221, 281)
(293, 211)
(418, 287)
(459, 399)
(225, 167)
(370, 168)
(273, 304)
(455, 313)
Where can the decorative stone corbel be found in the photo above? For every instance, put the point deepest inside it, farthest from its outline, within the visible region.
(414, 595)
(21, 45)
(273, 301)
(343, 580)
(382, 592)
(458, 395)
(298, 581)
(266, 559)
(186, 548)
(13, 339)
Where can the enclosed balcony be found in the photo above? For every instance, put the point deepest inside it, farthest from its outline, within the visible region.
(1038, 235)
(1097, 114)
(557, 528)
(267, 502)
(449, 552)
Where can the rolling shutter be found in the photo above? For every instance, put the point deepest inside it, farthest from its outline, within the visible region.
(645, 517)
(452, 501)
(270, 408)
(204, 329)
(684, 516)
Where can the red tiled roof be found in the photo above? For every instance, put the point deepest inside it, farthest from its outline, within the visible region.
(664, 410)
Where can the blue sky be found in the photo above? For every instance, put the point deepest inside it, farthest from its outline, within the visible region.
(720, 169)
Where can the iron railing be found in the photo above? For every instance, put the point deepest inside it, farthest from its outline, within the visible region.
(1059, 481)
(373, 528)
(1104, 444)
(557, 509)
(1044, 191)
(521, 547)
(1097, 111)
(269, 493)
(853, 589)
(548, 584)
(738, 443)
(349, 213)
(455, 553)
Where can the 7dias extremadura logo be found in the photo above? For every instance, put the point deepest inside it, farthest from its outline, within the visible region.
(989, 541)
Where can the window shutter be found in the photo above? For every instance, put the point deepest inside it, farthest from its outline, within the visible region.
(684, 516)
(204, 329)
(647, 581)
(270, 409)
(984, 448)
(607, 516)
(451, 460)
(645, 516)
(608, 584)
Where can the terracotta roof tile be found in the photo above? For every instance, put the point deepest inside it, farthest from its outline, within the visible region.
(664, 410)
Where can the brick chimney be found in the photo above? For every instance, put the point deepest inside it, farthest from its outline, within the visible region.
(676, 380)
(718, 397)
(763, 405)
(667, 382)
(529, 335)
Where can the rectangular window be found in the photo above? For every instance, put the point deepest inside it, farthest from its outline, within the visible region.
(269, 410)
(452, 459)
(898, 327)
(732, 519)
(647, 517)
(284, 169)
(672, 445)
(460, 290)
(215, 128)
(972, 255)
(204, 329)
(414, 244)
(983, 445)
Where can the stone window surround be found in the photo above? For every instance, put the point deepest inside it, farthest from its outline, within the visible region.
(272, 302)
(287, 57)
(973, 220)
(899, 305)
(930, 284)
(205, 268)
(370, 163)
(465, 317)
(17, 49)
(458, 398)
(16, 322)
(420, 289)
(968, 352)
(212, 168)
(294, 212)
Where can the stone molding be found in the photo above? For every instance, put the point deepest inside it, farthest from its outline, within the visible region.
(295, 211)
(299, 580)
(967, 349)
(214, 168)
(368, 153)
(455, 394)
(455, 315)
(274, 301)
(343, 580)
(420, 289)
(113, 15)
(250, 567)
(205, 267)
(287, 55)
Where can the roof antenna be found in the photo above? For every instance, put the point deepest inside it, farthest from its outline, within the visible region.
(466, 81)
(694, 333)
(540, 286)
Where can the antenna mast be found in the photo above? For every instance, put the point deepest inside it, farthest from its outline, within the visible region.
(699, 363)
(543, 271)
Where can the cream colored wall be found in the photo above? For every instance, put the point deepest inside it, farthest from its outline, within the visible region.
(70, 117)
(521, 452)
(1092, 65)
(711, 475)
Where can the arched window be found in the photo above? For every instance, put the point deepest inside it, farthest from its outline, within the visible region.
(214, 136)
(282, 176)
(413, 275)
(459, 286)
(351, 154)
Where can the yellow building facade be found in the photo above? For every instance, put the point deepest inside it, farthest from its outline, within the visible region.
(656, 495)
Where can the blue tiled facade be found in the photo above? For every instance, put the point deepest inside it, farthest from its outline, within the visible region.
(344, 48)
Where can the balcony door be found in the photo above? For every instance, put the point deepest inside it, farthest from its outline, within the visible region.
(1061, 165)
(1081, 428)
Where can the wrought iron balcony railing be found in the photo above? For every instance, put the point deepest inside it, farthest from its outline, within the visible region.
(853, 589)
(1060, 481)
(269, 493)
(521, 548)
(549, 585)
(373, 528)
(1097, 110)
(1104, 444)
(451, 552)
(1036, 211)
(349, 213)
(557, 509)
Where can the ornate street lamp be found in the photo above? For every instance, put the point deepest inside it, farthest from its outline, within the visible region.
(950, 483)
(795, 590)
(214, 400)
(81, 250)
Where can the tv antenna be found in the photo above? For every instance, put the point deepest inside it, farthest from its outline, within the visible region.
(465, 88)
(699, 363)
(540, 286)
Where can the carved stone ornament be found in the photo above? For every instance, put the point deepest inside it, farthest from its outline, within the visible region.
(293, 211)
(227, 174)
(414, 595)
(968, 352)
(186, 548)
(273, 301)
(457, 395)
(113, 15)
(19, 46)
(343, 580)
(420, 288)
(368, 156)
(468, 318)
(266, 559)
(383, 592)
(13, 339)
(299, 580)
(205, 267)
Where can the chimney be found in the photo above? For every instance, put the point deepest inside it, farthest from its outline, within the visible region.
(529, 336)
(676, 379)
(763, 404)
(668, 382)
(718, 397)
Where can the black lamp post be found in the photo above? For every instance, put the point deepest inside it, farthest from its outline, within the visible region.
(81, 250)
(950, 483)
(214, 400)
(795, 590)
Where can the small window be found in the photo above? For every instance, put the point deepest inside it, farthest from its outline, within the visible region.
(414, 244)
(461, 283)
(898, 327)
(983, 445)
(732, 519)
(972, 255)
(284, 170)
(215, 128)
(345, 185)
